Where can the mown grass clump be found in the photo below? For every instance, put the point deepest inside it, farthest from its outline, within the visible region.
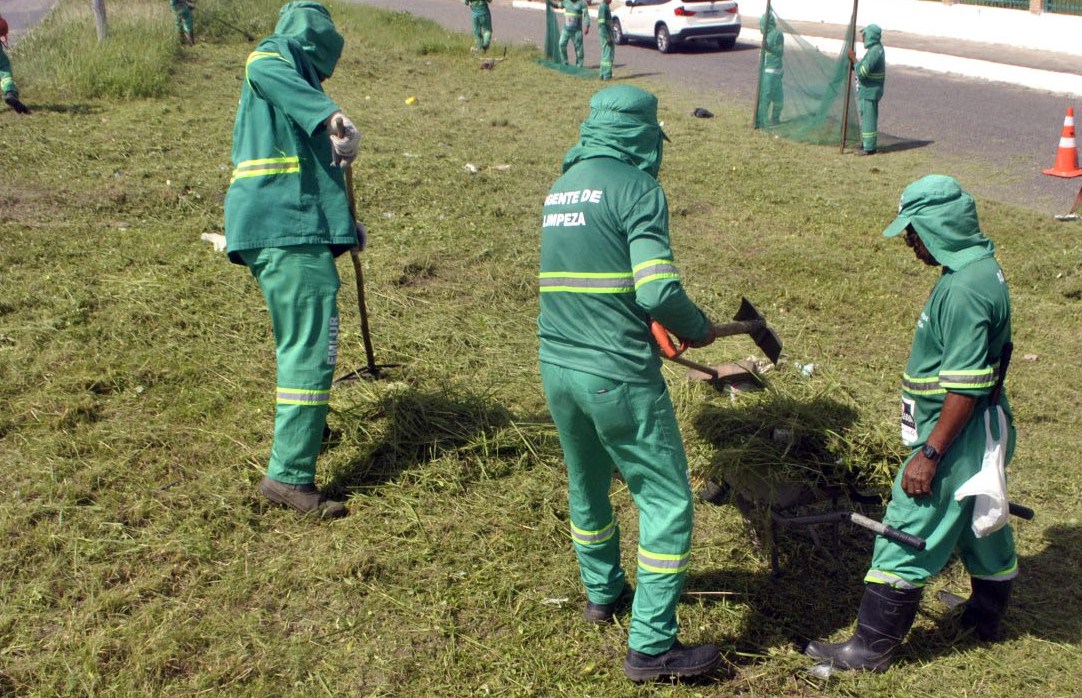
(137, 376)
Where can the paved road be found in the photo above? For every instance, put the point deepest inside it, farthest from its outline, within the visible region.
(1011, 130)
(22, 15)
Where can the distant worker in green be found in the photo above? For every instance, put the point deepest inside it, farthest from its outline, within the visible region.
(576, 23)
(771, 96)
(287, 217)
(184, 19)
(482, 24)
(604, 33)
(7, 81)
(871, 71)
(607, 268)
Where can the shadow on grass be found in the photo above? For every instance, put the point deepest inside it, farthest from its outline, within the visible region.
(896, 144)
(77, 109)
(408, 428)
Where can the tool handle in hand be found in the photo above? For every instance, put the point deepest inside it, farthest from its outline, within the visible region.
(889, 531)
(728, 329)
(664, 342)
(1021, 511)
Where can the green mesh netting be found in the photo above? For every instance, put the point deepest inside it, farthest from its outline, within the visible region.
(553, 58)
(802, 91)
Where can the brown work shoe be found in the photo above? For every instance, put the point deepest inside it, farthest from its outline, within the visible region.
(306, 498)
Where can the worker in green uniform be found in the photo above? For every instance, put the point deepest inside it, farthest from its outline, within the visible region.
(287, 216)
(482, 24)
(771, 96)
(576, 23)
(606, 270)
(184, 20)
(871, 71)
(954, 412)
(604, 34)
(7, 80)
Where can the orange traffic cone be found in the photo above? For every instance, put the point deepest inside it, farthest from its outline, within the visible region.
(1067, 155)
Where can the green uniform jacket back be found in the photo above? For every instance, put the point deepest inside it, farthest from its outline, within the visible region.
(871, 72)
(606, 269)
(284, 190)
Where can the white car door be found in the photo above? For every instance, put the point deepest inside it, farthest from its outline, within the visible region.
(641, 18)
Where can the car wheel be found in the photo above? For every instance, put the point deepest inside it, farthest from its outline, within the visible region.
(663, 38)
(727, 43)
(618, 33)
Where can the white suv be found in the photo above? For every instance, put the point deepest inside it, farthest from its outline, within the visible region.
(669, 22)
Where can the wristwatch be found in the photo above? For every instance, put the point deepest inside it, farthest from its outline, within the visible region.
(929, 452)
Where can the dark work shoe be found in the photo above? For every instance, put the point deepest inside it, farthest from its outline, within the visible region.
(862, 151)
(306, 498)
(599, 612)
(12, 100)
(677, 662)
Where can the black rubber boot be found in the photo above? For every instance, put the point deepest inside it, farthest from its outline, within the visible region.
(677, 662)
(985, 608)
(886, 614)
(606, 612)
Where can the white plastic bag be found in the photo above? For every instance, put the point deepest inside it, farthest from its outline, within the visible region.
(989, 486)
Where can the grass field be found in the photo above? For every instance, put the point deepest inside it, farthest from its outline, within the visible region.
(137, 370)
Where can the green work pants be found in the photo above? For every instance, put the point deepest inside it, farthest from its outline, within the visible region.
(771, 99)
(574, 35)
(183, 19)
(608, 55)
(482, 30)
(605, 424)
(869, 123)
(7, 82)
(945, 524)
(300, 284)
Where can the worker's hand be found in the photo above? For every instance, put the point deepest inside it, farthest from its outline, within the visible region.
(918, 474)
(705, 340)
(344, 147)
(586, 31)
(362, 236)
(852, 56)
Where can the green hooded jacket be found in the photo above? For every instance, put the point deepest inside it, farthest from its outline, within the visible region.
(871, 70)
(966, 320)
(773, 44)
(607, 267)
(284, 189)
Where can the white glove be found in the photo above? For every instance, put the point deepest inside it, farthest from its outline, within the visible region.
(344, 147)
(362, 236)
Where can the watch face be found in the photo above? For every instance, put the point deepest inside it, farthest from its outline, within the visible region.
(929, 452)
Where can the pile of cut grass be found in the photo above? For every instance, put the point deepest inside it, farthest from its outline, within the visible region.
(137, 375)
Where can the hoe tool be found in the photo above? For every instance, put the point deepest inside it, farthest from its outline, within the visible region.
(748, 320)
(371, 369)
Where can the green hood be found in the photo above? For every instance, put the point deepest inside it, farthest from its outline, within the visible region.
(766, 23)
(872, 35)
(622, 125)
(311, 26)
(945, 217)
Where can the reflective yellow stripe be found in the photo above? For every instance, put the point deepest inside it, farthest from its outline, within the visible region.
(663, 563)
(300, 396)
(266, 166)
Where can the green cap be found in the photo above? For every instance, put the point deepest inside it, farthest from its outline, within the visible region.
(945, 217)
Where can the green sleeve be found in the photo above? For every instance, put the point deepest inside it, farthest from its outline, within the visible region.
(275, 79)
(585, 14)
(658, 290)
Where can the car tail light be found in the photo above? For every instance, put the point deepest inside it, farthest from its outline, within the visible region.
(681, 12)
(733, 10)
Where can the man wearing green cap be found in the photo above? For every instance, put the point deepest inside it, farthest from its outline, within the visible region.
(871, 71)
(771, 96)
(954, 415)
(287, 217)
(482, 24)
(606, 269)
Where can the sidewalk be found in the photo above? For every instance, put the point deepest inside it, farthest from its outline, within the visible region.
(1016, 47)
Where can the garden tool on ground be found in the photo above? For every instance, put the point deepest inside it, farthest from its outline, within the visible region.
(371, 369)
(234, 27)
(748, 320)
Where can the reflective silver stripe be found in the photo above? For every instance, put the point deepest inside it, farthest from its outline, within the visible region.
(573, 282)
(658, 269)
(921, 386)
(297, 396)
(593, 537)
(1004, 576)
(662, 563)
(984, 378)
(890, 579)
